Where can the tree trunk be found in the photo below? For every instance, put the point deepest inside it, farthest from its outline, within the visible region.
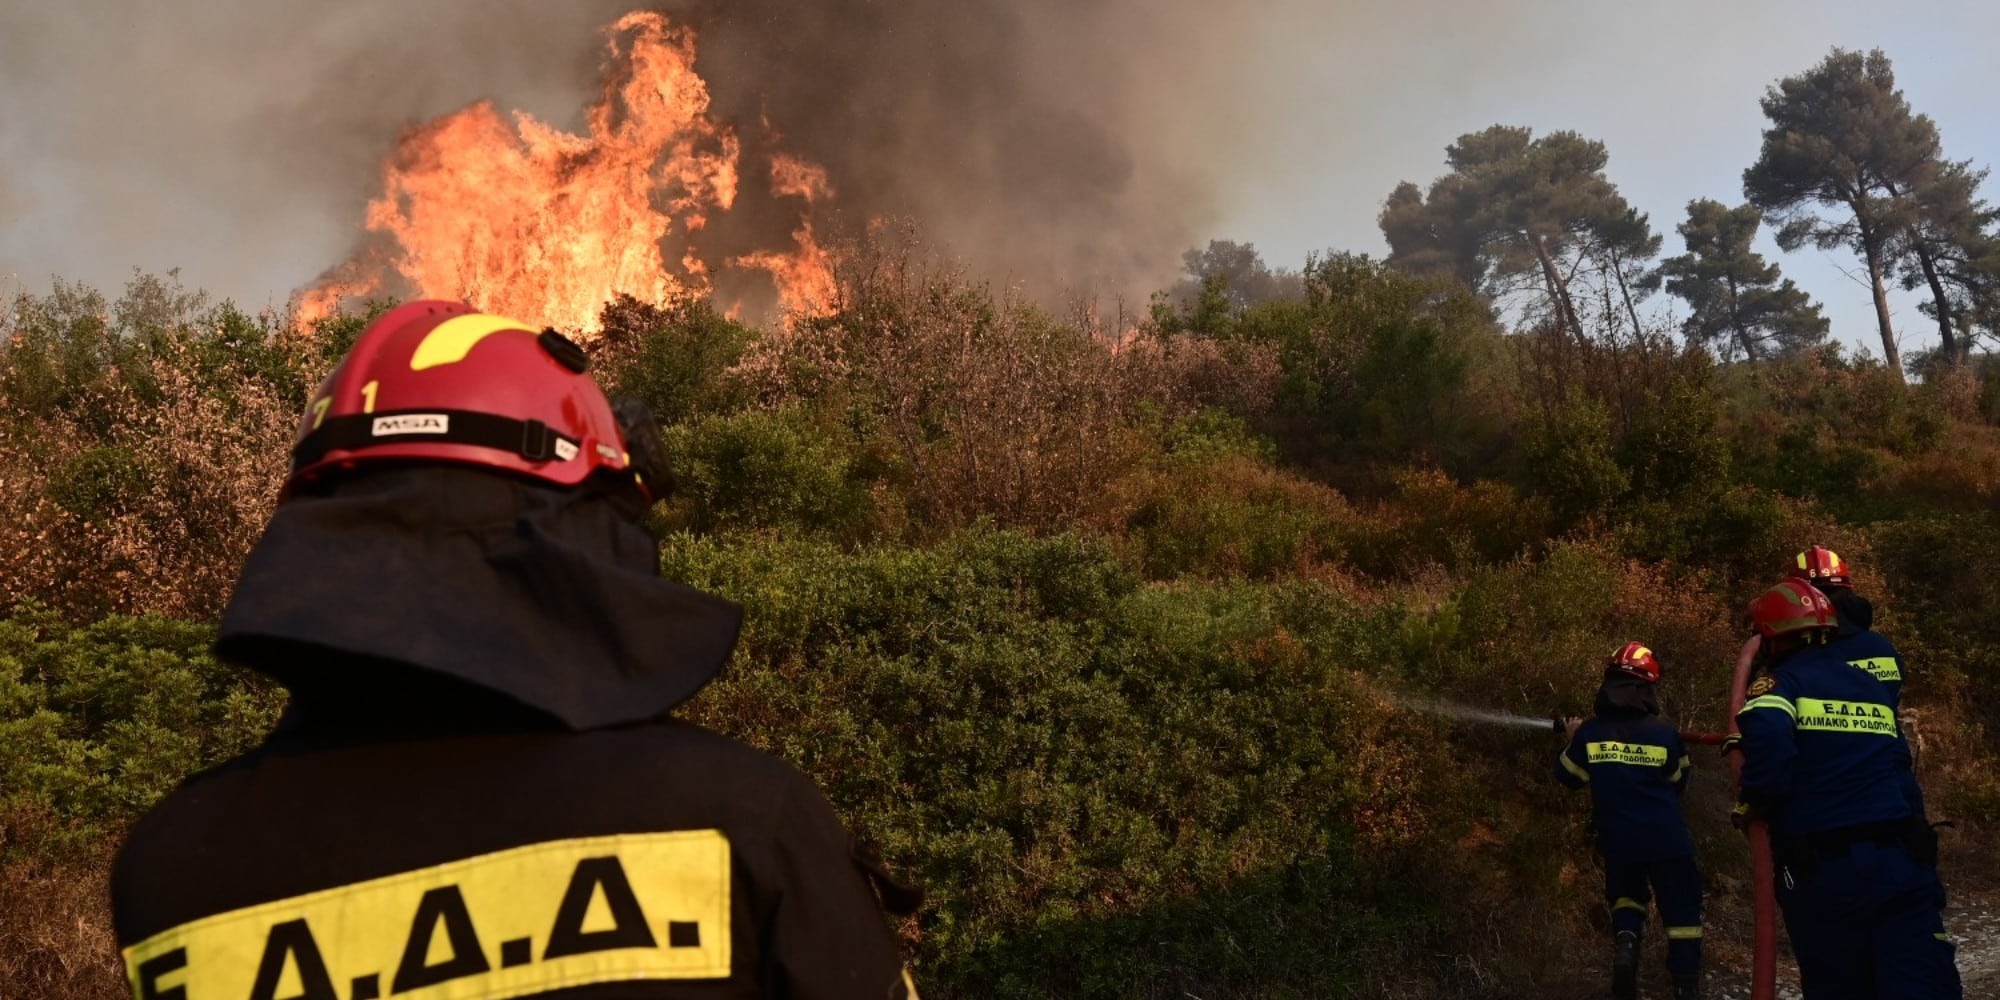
(1947, 339)
(1736, 324)
(1872, 251)
(1558, 289)
(1618, 268)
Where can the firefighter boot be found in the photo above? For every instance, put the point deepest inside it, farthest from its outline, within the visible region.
(1625, 966)
(1687, 986)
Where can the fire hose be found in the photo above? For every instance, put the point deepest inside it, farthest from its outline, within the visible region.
(1764, 956)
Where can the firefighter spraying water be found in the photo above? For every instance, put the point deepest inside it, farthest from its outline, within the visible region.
(1636, 766)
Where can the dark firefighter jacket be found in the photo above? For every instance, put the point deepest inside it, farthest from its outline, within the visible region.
(1859, 644)
(1635, 766)
(455, 807)
(1879, 657)
(1821, 747)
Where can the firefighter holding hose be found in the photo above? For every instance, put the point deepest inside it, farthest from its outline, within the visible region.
(1636, 766)
(1821, 751)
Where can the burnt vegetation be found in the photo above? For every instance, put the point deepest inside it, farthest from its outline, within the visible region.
(1103, 632)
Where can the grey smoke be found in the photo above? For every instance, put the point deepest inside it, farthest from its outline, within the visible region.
(240, 139)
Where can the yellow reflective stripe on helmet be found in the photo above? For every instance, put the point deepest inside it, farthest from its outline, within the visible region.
(531, 919)
(1776, 701)
(1684, 933)
(1846, 716)
(450, 341)
(1614, 752)
(1882, 668)
(1573, 767)
(1628, 903)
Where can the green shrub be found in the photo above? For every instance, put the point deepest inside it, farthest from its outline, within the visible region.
(759, 470)
(1101, 780)
(97, 722)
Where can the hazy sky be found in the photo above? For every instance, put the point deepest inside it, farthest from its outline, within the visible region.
(235, 139)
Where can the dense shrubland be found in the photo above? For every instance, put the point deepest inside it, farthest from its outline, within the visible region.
(1110, 637)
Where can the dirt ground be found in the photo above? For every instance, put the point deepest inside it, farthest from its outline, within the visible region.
(1974, 922)
(1972, 917)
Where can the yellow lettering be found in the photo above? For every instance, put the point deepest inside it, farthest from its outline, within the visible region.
(1882, 667)
(1846, 716)
(528, 920)
(1638, 754)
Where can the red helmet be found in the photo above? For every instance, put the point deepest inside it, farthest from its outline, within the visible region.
(1821, 567)
(1791, 606)
(1635, 659)
(438, 382)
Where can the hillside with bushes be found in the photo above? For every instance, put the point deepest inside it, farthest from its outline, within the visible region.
(1119, 641)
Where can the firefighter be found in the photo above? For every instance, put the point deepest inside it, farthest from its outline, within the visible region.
(1857, 642)
(477, 788)
(1636, 766)
(1820, 744)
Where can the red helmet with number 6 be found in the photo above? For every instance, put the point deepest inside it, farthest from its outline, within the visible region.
(1635, 659)
(1821, 567)
(434, 381)
(1791, 606)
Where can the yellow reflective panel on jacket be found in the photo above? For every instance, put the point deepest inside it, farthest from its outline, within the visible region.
(1846, 716)
(1882, 668)
(1627, 753)
(527, 920)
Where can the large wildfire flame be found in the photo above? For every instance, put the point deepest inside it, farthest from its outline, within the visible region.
(523, 219)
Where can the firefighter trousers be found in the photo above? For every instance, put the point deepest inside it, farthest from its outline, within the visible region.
(1865, 924)
(1630, 885)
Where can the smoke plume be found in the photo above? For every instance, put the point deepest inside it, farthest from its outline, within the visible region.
(1042, 141)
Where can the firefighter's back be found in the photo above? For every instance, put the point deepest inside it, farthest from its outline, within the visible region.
(653, 860)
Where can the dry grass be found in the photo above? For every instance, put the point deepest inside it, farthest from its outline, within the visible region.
(56, 941)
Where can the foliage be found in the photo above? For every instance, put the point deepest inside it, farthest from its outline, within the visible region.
(98, 721)
(1081, 765)
(141, 442)
(1737, 300)
(1117, 642)
(1843, 137)
(1519, 212)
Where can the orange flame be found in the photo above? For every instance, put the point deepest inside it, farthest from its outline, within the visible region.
(523, 219)
(804, 276)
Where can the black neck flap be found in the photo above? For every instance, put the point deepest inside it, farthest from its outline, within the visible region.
(548, 596)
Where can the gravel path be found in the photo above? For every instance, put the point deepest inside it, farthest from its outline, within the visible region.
(1974, 922)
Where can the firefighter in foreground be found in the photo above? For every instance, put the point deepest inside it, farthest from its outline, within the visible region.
(1859, 891)
(1636, 766)
(476, 790)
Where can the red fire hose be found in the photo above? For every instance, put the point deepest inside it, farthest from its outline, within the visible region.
(1764, 956)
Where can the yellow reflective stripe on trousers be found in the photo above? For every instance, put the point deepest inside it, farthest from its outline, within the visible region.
(1776, 701)
(1573, 767)
(1684, 933)
(1613, 752)
(1628, 903)
(1883, 668)
(1846, 717)
(527, 920)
